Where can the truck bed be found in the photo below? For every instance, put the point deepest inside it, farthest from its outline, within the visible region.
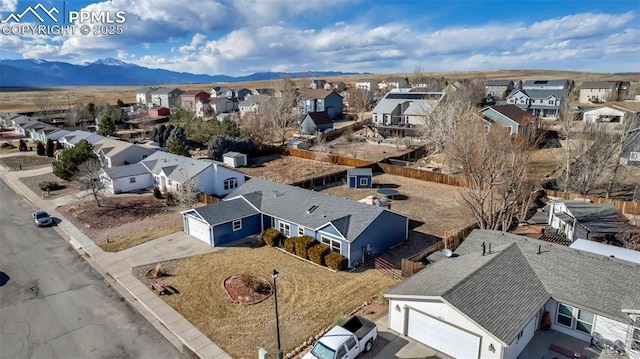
(359, 326)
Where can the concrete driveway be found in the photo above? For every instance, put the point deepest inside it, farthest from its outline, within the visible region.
(173, 246)
(401, 347)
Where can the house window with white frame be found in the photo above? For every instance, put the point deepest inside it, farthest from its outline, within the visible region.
(285, 229)
(574, 318)
(333, 244)
(300, 230)
(634, 156)
(230, 183)
(132, 180)
(551, 102)
(364, 181)
(155, 179)
(237, 225)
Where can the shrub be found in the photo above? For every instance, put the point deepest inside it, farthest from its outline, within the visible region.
(48, 185)
(271, 236)
(156, 193)
(336, 261)
(317, 253)
(341, 319)
(303, 244)
(290, 245)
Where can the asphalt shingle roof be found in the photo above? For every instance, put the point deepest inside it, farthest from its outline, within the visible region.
(297, 205)
(359, 172)
(177, 168)
(133, 169)
(501, 290)
(226, 211)
(598, 85)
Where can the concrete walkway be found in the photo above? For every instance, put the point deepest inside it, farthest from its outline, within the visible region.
(117, 268)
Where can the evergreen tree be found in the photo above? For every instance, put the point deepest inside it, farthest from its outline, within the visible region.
(66, 166)
(106, 127)
(50, 148)
(40, 149)
(178, 143)
(23, 146)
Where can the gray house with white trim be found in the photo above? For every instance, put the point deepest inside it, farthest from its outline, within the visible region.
(350, 228)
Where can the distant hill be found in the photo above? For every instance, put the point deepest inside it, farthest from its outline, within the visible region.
(113, 72)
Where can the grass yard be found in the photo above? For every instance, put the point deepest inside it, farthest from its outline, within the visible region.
(309, 298)
(64, 187)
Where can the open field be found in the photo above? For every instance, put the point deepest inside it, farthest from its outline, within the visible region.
(309, 297)
(341, 146)
(438, 207)
(288, 169)
(23, 100)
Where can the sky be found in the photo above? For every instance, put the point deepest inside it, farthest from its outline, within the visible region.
(379, 36)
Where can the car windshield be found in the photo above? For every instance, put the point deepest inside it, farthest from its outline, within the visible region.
(42, 215)
(322, 351)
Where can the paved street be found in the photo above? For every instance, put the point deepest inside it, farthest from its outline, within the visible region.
(54, 305)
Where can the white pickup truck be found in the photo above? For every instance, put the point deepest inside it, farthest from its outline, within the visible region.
(346, 341)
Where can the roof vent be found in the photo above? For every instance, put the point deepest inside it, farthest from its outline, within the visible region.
(539, 249)
(484, 248)
(313, 208)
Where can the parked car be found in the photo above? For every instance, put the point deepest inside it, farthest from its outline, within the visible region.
(41, 218)
(345, 341)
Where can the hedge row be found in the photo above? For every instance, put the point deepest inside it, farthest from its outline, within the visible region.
(307, 247)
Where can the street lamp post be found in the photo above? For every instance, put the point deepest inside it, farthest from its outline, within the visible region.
(274, 275)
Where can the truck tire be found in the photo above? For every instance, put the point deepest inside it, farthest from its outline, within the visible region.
(368, 346)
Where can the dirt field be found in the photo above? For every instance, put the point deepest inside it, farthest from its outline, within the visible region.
(303, 293)
(25, 162)
(437, 208)
(360, 150)
(64, 187)
(124, 220)
(288, 169)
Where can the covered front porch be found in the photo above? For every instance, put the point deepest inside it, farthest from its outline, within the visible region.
(550, 344)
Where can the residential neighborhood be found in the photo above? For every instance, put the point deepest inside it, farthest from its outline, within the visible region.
(381, 180)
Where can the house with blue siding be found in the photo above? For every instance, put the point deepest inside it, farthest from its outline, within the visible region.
(359, 178)
(320, 100)
(315, 122)
(350, 228)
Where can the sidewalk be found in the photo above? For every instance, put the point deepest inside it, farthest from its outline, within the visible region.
(117, 270)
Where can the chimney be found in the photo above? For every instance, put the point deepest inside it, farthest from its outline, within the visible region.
(539, 249)
(483, 248)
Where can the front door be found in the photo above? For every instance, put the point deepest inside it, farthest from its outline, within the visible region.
(352, 181)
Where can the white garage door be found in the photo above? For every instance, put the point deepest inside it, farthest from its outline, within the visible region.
(442, 336)
(198, 229)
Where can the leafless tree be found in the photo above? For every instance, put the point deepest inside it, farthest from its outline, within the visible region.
(568, 116)
(44, 105)
(629, 133)
(88, 176)
(496, 166)
(281, 110)
(359, 102)
(440, 122)
(257, 126)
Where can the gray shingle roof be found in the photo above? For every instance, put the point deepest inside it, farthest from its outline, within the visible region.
(177, 168)
(166, 91)
(133, 169)
(598, 218)
(293, 204)
(598, 85)
(359, 172)
(499, 82)
(502, 290)
(226, 211)
(543, 94)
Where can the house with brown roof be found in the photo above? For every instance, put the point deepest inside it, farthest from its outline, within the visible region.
(519, 121)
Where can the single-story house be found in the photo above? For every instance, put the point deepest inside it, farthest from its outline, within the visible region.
(359, 178)
(353, 229)
(112, 152)
(234, 159)
(20, 123)
(175, 173)
(72, 138)
(127, 178)
(499, 289)
(614, 113)
(315, 122)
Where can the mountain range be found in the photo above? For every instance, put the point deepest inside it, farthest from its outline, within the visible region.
(113, 72)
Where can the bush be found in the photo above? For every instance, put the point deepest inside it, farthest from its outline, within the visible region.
(341, 319)
(303, 243)
(290, 245)
(336, 261)
(48, 185)
(156, 193)
(271, 236)
(317, 253)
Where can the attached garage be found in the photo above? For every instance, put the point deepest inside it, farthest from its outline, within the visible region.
(442, 336)
(197, 228)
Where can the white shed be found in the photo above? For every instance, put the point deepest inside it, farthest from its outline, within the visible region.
(234, 159)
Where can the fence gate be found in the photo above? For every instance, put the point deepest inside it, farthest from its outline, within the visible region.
(387, 268)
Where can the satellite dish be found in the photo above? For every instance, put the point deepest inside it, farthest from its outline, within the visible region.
(447, 252)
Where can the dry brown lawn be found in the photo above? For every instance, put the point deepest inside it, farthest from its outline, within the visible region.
(309, 298)
(64, 187)
(26, 162)
(288, 169)
(439, 207)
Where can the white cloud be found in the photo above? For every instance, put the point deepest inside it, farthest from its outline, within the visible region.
(8, 5)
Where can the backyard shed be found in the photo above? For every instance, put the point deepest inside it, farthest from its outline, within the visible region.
(234, 159)
(359, 178)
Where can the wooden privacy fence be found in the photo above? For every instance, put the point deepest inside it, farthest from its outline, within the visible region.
(317, 181)
(325, 157)
(623, 206)
(410, 267)
(387, 268)
(424, 175)
(206, 199)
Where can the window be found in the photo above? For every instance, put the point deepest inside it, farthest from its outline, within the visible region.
(237, 225)
(584, 321)
(552, 102)
(565, 315)
(634, 156)
(230, 183)
(273, 222)
(351, 343)
(635, 337)
(300, 231)
(364, 181)
(155, 179)
(285, 229)
(169, 182)
(333, 244)
(178, 187)
(341, 352)
(132, 180)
